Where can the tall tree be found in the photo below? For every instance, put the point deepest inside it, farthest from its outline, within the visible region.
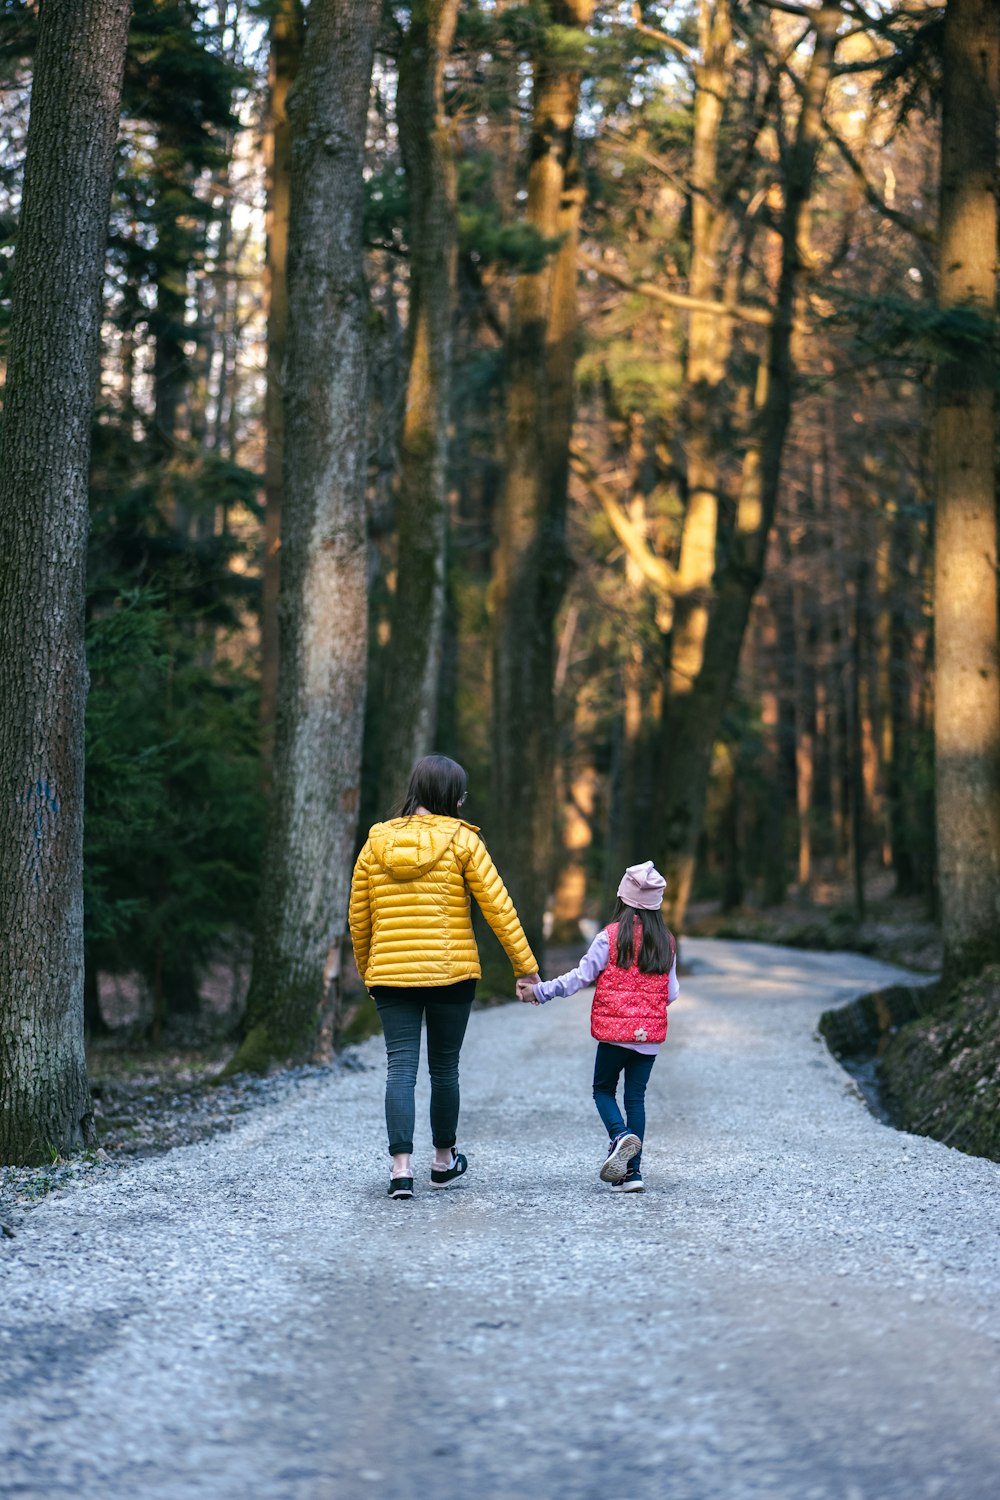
(967, 692)
(530, 563)
(413, 671)
(324, 561)
(692, 722)
(44, 457)
(709, 341)
(284, 52)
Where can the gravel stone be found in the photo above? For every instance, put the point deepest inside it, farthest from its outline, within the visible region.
(803, 1305)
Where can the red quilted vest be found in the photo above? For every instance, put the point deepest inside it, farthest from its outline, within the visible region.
(629, 1006)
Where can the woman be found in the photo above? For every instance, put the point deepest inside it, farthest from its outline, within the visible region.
(411, 926)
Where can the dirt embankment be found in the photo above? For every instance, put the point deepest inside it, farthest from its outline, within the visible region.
(940, 1074)
(932, 1059)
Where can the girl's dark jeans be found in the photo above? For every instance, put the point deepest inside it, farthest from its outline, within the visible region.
(401, 1012)
(611, 1061)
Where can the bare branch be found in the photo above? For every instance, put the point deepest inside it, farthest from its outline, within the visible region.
(874, 197)
(653, 568)
(651, 158)
(904, 221)
(663, 37)
(789, 9)
(761, 316)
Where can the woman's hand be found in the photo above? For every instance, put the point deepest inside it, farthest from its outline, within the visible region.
(525, 988)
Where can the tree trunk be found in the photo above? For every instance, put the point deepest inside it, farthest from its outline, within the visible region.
(285, 50)
(530, 562)
(805, 741)
(167, 321)
(323, 604)
(902, 730)
(709, 341)
(967, 694)
(693, 719)
(851, 597)
(44, 458)
(414, 666)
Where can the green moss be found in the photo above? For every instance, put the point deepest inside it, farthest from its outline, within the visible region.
(255, 1054)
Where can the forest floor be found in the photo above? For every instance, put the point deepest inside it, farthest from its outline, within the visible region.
(803, 1305)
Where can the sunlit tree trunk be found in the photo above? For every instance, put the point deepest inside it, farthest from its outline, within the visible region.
(900, 767)
(530, 560)
(413, 673)
(709, 341)
(805, 740)
(285, 50)
(323, 603)
(693, 719)
(44, 458)
(967, 693)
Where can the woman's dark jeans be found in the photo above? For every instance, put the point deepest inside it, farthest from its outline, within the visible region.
(446, 1022)
(611, 1061)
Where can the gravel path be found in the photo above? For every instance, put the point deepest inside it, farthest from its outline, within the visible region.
(802, 1306)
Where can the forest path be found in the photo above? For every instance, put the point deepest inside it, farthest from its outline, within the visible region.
(803, 1305)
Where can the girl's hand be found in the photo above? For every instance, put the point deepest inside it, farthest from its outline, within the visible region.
(525, 988)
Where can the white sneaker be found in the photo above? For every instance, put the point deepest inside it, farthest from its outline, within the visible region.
(620, 1153)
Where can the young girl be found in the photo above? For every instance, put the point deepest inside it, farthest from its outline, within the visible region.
(634, 960)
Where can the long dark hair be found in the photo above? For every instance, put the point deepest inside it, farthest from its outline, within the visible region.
(656, 951)
(437, 783)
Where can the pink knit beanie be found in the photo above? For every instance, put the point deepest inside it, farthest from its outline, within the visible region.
(643, 886)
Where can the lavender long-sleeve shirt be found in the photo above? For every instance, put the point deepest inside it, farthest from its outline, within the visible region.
(592, 964)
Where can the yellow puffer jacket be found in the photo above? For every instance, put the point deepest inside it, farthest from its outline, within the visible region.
(411, 917)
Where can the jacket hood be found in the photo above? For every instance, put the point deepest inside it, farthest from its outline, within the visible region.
(408, 847)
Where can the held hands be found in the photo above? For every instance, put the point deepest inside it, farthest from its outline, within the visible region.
(526, 988)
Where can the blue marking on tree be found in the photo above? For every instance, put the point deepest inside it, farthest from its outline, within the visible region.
(42, 800)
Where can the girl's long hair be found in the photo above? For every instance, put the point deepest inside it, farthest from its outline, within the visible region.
(437, 783)
(656, 950)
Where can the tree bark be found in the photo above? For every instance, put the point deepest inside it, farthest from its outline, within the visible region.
(323, 601)
(530, 562)
(967, 693)
(805, 741)
(44, 458)
(692, 722)
(414, 666)
(709, 342)
(285, 51)
(900, 767)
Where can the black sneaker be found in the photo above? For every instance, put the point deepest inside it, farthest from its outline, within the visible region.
(630, 1183)
(442, 1177)
(400, 1187)
(621, 1151)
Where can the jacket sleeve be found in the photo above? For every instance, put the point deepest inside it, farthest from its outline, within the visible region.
(483, 880)
(359, 914)
(591, 966)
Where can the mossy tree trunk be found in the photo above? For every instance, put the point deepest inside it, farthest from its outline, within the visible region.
(414, 667)
(323, 594)
(44, 460)
(967, 691)
(530, 562)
